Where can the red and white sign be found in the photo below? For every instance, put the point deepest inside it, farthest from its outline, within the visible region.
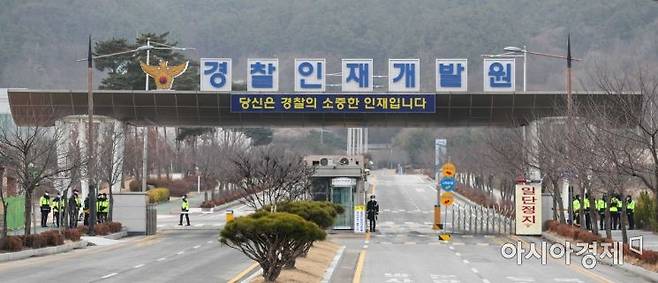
(528, 209)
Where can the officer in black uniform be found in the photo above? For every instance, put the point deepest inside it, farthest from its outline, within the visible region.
(372, 209)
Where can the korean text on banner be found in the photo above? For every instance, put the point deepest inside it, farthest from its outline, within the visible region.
(528, 209)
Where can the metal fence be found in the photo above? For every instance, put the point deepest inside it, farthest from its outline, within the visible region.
(476, 219)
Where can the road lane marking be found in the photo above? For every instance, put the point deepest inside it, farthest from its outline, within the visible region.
(243, 273)
(359, 267)
(198, 225)
(474, 270)
(365, 246)
(581, 270)
(451, 247)
(458, 254)
(138, 266)
(197, 246)
(109, 275)
(485, 281)
(180, 253)
(209, 242)
(466, 261)
(162, 258)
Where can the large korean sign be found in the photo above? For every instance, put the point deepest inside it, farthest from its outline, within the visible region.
(451, 75)
(263, 75)
(499, 75)
(216, 74)
(528, 209)
(333, 103)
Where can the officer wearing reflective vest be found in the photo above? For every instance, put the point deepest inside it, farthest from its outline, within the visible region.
(630, 212)
(614, 211)
(601, 205)
(586, 208)
(105, 207)
(57, 207)
(99, 207)
(44, 204)
(185, 209)
(575, 205)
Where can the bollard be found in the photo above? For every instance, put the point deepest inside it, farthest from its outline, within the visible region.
(229, 215)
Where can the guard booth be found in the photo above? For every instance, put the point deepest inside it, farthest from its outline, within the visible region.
(341, 180)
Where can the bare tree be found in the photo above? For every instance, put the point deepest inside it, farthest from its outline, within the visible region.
(29, 154)
(268, 175)
(108, 162)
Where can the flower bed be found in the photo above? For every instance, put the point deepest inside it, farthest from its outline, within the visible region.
(580, 235)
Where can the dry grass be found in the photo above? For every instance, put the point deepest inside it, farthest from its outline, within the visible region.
(310, 268)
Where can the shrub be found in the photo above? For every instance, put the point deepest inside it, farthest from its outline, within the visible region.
(271, 239)
(645, 211)
(13, 244)
(52, 238)
(82, 229)
(208, 204)
(34, 241)
(649, 256)
(134, 186)
(72, 234)
(102, 229)
(115, 227)
(157, 195)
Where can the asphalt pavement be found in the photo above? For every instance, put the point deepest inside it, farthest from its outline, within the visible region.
(175, 254)
(406, 249)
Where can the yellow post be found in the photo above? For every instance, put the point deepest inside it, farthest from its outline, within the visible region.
(437, 218)
(229, 216)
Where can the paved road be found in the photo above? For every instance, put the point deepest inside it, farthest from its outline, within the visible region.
(407, 250)
(176, 254)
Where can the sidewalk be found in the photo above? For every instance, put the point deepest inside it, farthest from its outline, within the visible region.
(174, 203)
(649, 239)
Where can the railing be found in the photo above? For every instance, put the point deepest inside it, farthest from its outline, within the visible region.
(476, 219)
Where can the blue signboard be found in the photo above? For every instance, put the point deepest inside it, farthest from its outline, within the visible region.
(448, 184)
(332, 103)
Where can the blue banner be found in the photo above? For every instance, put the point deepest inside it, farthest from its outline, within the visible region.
(333, 103)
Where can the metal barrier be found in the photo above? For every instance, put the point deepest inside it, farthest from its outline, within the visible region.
(151, 219)
(476, 219)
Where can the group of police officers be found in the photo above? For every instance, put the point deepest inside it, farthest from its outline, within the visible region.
(614, 203)
(58, 203)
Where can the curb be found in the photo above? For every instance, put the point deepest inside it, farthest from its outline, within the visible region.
(117, 235)
(634, 269)
(43, 251)
(332, 266)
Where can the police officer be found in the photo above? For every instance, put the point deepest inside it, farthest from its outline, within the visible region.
(86, 210)
(614, 211)
(601, 204)
(372, 210)
(57, 207)
(575, 205)
(185, 208)
(74, 209)
(586, 208)
(105, 207)
(44, 204)
(630, 212)
(99, 204)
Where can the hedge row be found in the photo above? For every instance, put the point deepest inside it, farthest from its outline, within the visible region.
(157, 195)
(43, 239)
(573, 232)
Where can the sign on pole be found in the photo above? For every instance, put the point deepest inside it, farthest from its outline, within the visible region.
(447, 198)
(448, 184)
(216, 74)
(528, 209)
(451, 75)
(359, 218)
(449, 169)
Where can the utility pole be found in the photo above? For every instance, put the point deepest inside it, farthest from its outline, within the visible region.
(90, 143)
(145, 149)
